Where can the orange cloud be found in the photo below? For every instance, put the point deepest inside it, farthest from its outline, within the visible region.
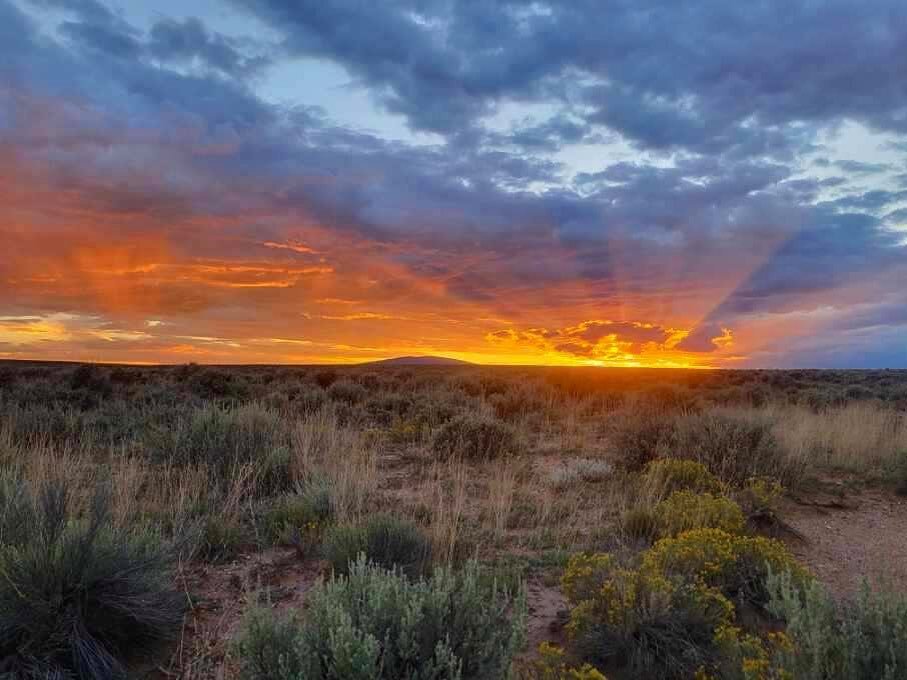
(295, 246)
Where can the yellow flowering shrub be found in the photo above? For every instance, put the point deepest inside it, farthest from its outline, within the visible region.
(552, 665)
(765, 490)
(670, 613)
(738, 565)
(664, 476)
(584, 575)
(641, 618)
(759, 498)
(685, 510)
(749, 657)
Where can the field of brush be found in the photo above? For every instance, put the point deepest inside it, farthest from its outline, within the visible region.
(365, 523)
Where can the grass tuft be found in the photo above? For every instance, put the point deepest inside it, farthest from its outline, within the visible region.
(79, 596)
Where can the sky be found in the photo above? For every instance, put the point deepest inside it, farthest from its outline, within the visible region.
(620, 183)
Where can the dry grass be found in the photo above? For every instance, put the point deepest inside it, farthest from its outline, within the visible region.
(502, 481)
(858, 437)
(323, 448)
(447, 488)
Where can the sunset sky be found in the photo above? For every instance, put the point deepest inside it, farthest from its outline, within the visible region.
(709, 183)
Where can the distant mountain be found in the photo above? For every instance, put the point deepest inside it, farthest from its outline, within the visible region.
(420, 361)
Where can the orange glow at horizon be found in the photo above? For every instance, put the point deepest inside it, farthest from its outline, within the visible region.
(89, 283)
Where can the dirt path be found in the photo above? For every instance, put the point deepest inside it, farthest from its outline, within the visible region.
(860, 535)
(545, 622)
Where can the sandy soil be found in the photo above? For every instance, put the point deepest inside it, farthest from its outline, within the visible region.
(219, 596)
(851, 536)
(547, 614)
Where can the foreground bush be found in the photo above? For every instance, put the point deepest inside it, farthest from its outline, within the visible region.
(376, 624)
(675, 613)
(475, 438)
(640, 620)
(78, 596)
(736, 565)
(386, 541)
(865, 640)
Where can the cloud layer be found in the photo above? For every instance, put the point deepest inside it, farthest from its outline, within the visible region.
(648, 183)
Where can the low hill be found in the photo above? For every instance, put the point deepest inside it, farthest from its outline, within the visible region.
(420, 361)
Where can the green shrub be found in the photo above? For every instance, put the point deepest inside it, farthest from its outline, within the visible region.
(307, 399)
(387, 408)
(374, 624)
(220, 538)
(638, 440)
(224, 440)
(475, 438)
(580, 470)
(212, 383)
(515, 403)
(385, 540)
(685, 510)
(733, 446)
(346, 391)
(78, 595)
(305, 513)
(664, 476)
(864, 640)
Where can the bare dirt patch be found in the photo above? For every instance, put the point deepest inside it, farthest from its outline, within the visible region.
(218, 597)
(852, 536)
(547, 614)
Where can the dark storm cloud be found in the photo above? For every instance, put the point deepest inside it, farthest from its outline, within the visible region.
(861, 168)
(706, 76)
(103, 38)
(857, 349)
(172, 40)
(832, 251)
(870, 316)
(853, 167)
(547, 136)
(390, 190)
(868, 201)
(702, 338)
(96, 28)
